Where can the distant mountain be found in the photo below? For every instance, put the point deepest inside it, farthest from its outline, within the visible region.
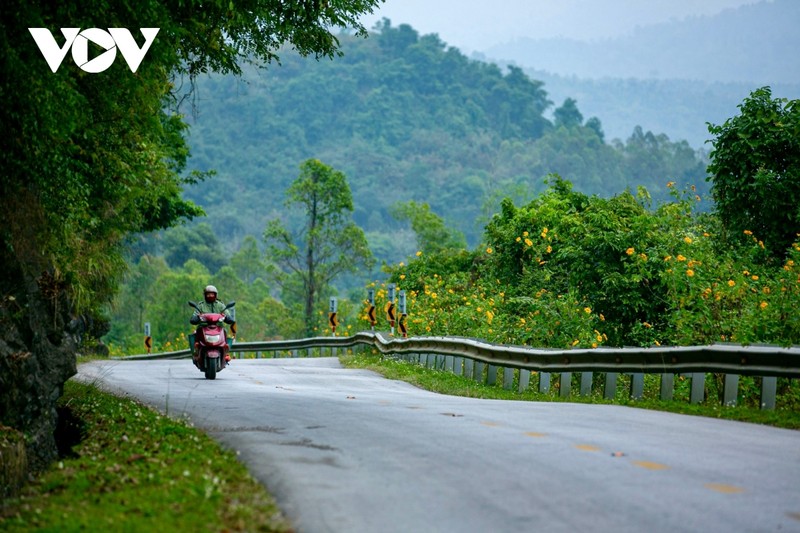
(679, 108)
(755, 44)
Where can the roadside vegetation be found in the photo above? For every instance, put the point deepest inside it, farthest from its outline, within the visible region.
(125, 467)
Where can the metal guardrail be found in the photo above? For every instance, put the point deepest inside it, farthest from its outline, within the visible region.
(465, 356)
(757, 360)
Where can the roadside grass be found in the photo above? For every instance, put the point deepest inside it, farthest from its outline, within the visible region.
(137, 470)
(445, 382)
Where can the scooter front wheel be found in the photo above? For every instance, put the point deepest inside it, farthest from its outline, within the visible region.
(211, 368)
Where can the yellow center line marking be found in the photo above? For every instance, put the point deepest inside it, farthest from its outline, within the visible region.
(490, 424)
(723, 488)
(649, 465)
(535, 434)
(587, 447)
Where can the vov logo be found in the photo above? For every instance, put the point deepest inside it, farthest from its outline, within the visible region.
(110, 41)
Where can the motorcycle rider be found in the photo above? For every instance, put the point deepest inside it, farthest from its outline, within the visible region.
(210, 304)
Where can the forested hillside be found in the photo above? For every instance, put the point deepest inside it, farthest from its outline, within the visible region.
(407, 118)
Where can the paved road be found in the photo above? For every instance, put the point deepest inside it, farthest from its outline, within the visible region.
(348, 451)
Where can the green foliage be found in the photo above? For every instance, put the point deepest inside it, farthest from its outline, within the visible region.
(432, 234)
(198, 242)
(574, 270)
(329, 244)
(755, 167)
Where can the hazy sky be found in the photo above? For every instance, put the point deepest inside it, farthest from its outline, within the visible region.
(476, 25)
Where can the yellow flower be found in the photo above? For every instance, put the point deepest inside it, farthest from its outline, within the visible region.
(630, 251)
(763, 305)
(524, 233)
(545, 230)
(643, 256)
(748, 232)
(670, 184)
(521, 320)
(519, 239)
(488, 250)
(549, 249)
(575, 342)
(731, 283)
(587, 310)
(681, 258)
(529, 242)
(687, 240)
(754, 277)
(419, 253)
(402, 276)
(690, 272)
(602, 317)
(668, 258)
(489, 316)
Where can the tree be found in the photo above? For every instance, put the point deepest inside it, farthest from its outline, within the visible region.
(568, 115)
(755, 170)
(89, 159)
(328, 243)
(199, 243)
(432, 235)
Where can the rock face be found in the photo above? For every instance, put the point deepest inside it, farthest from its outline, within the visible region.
(37, 356)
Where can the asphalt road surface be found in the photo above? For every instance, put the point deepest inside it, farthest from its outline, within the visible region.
(349, 451)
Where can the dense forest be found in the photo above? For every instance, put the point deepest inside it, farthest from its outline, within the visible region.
(405, 117)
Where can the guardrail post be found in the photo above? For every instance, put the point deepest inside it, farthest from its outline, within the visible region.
(508, 378)
(637, 386)
(698, 387)
(610, 387)
(469, 368)
(458, 366)
(295, 353)
(667, 386)
(448, 363)
(768, 387)
(478, 371)
(544, 381)
(491, 375)
(565, 386)
(524, 379)
(586, 383)
(730, 390)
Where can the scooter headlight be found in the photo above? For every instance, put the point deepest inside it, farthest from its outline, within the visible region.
(213, 338)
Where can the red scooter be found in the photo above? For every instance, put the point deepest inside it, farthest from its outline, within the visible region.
(210, 342)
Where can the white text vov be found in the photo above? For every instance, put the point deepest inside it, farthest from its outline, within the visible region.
(78, 41)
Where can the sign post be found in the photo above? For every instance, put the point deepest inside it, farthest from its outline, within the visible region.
(403, 314)
(148, 340)
(371, 308)
(332, 320)
(390, 311)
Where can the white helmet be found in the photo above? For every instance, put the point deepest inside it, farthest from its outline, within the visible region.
(210, 288)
